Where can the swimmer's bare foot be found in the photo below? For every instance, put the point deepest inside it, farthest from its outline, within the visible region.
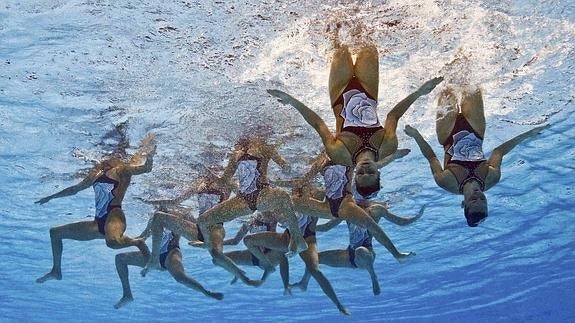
(296, 247)
(247, 281)
(343, 310)
(403, 256)
(123, 301)
(299, 285)
(266, 273)
(152, 264)
(216, 295)
(52, 275)
(197, 244)
(332, 30)
(141, 244)
(253, 282)
(375, 288)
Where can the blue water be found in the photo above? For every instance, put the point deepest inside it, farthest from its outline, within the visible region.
(194, 73)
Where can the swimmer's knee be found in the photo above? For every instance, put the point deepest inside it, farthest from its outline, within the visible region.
(249, 241)
(363, 257)
(179, 277)
(113, 243)
(202, 220)
(281, 198)
(54, 232)
(156, 216)
(312, 268)
(363, 252)
(119, 259)
(216, 256)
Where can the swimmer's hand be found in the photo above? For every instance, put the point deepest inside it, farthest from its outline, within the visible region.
(43, 200)
(402, 257)
(429, 85)
(281, 96)
(420, 214)
(149, 141)
(538, 130)
(153, 264)
(152, 151)
(197, 244)
(411, 131)
(157, 202)
(400, 153)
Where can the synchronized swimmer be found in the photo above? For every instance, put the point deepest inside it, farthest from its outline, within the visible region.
(349, 167)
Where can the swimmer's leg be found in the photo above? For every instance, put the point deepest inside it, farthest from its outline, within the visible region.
(364, 259)
(312, 207)
(304, 282)
(446, 114)
(351, 212)
(271, 240)
(284, 271)
(279, 201)
(366, 69)
(175, 223)
(115, 227)
(332, 258)
(225, 211)
(153, 261)
(472, 109)
(176, 269)
(310, 257)
(216, 236)
(80, 231)
(240, 257)
(123, 260)
(341, 72)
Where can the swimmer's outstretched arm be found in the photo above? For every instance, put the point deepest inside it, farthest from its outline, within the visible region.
(232, 165)
(328, 225)
(146, 146)
(440, 176)
(317, 164)
(400, 108)
(239, 236)
(279, 160)
(377, 211)
(135, 167)
(400, 153)
(175, 201)
(390, 127)
(496, 157)
(72, 190)
(162, 205)
(329, 141)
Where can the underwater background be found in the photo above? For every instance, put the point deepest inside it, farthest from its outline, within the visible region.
(76, 76)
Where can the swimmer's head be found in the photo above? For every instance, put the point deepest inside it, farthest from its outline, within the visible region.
(475, 208)
(366, 178)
